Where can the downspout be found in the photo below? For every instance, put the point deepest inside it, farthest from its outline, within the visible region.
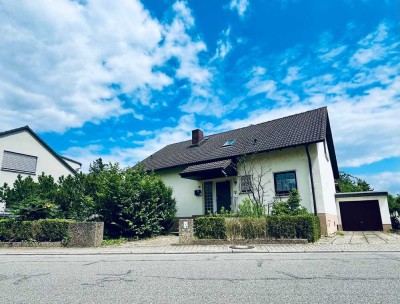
(312, 180)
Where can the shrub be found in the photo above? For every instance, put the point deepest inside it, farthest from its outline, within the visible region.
(248, 209)
(209, 227)
(46, 230)
(301, 226)
(133, 203)
(245, 228)
(34, 208)
(290, 207)
(395, 222)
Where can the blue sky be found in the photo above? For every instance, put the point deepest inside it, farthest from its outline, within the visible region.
(121, 79)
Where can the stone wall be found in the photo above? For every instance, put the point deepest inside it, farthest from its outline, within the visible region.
(85, 234)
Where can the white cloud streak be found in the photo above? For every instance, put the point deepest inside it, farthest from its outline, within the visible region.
(64, 63)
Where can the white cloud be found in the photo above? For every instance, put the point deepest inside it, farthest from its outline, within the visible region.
(363, 102)
(130, 156)
(292, 75)
(240, 6)
(331, 54)
(59, 58)
(372, 47)
(384, 181)
(224, 45)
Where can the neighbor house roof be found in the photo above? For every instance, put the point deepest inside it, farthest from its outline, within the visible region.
(43, 143)
(295, 130)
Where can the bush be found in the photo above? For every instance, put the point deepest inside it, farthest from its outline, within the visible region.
(290, 207)
(395, 222)
(301, 227)
(131, 202)
(248, 209)
(209, 227)
(245, 228)
(49, 230)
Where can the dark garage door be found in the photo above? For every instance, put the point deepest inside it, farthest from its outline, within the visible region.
(360, 216)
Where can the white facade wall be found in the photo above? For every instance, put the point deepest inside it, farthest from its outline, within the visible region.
(383, 206)
(324, 182)
(186, 202)
(24, 143)
(290, 159)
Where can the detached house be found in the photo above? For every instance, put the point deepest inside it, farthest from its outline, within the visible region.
(23, 152)
(209, 172)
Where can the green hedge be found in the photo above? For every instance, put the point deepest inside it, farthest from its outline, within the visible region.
(209, 227)
(291, 227)
(46, 230)
(277, 227)
(245, 228)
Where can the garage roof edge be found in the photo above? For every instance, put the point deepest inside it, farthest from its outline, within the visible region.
(360, 194)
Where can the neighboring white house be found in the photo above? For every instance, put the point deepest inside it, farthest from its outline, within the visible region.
(23, 152)
(209, 172)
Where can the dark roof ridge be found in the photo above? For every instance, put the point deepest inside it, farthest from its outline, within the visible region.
(41, 141)
(252, 125)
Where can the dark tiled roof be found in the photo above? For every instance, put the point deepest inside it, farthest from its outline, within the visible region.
(294, 130)
(46, 146)
(222, 164)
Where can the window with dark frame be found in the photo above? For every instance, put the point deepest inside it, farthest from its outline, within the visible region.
(208, 198)
(20, 163)
(285, 182)
(245, 183)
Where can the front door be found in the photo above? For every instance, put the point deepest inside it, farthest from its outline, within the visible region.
(223, 190)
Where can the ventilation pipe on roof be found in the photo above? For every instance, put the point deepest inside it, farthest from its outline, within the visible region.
(312, 180)
(197, 136)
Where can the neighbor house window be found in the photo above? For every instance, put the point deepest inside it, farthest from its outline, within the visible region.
(20, 163)
(245, 183)
(285, 182)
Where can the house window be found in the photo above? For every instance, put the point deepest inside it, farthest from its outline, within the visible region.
(285, 182)
(229, 143)
(245, 183)
(208, 198)
(21, 163)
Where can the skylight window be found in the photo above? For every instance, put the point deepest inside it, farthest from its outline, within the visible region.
(229, 143)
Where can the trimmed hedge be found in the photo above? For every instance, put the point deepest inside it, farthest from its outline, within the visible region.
(276, 227)
(209, 227)
(294, 227)
(46, 230)
(245, 228)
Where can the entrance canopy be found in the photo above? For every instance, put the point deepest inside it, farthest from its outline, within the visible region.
(210, 170)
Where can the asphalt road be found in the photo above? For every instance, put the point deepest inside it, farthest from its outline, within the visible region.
(206, 278)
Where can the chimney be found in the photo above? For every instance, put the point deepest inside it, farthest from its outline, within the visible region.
(197, 136)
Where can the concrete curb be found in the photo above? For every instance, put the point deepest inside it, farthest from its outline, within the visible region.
(168, 251)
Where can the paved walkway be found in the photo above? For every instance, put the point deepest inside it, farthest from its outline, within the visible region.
(348, 242)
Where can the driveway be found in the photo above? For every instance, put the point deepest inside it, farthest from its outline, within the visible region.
(361, 237)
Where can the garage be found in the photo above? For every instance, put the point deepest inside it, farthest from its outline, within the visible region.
(361, 216)
(363, 211)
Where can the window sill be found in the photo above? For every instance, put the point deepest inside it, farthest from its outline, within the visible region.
(18, 171)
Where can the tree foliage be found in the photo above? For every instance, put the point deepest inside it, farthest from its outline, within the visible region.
(131, 202)
(350, 183)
